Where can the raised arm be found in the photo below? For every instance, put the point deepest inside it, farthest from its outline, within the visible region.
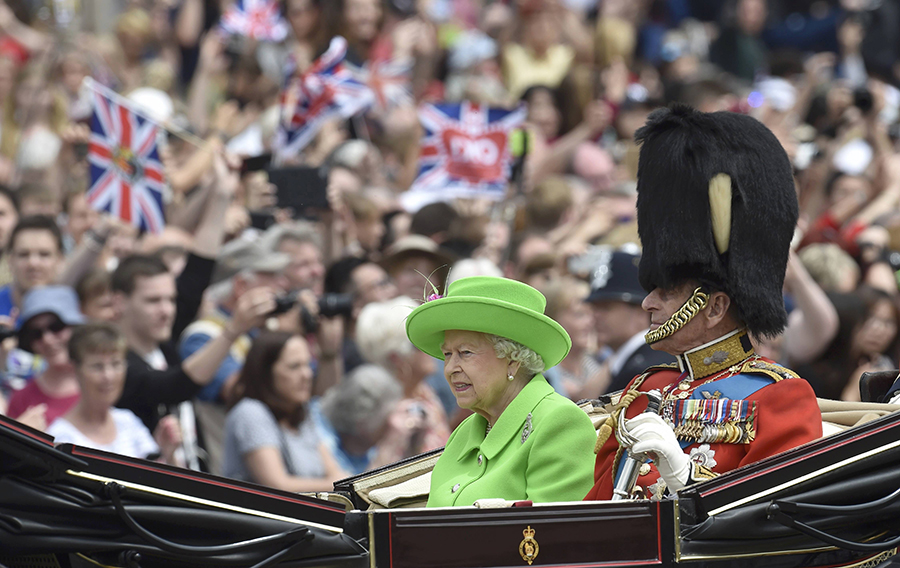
(251, 311)
(814, 323)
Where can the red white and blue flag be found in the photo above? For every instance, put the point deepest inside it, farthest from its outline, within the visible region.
(389, 80)
(256, 19)
(464, 152)
(126, 174)
(326, 90)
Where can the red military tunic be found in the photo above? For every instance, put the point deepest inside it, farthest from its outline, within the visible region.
(778, 412)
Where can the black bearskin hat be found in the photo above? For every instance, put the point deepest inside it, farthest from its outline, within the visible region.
(716, 203)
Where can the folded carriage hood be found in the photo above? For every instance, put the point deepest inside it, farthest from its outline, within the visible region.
(75, 500)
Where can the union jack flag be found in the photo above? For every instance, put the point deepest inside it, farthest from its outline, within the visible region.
(465, 150)
(327, 89)
(126, 174)
(388, 79)
(256, 19)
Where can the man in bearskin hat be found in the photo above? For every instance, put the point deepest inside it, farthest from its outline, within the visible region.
(716, 213)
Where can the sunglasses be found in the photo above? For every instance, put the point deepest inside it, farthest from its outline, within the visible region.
(30, 335)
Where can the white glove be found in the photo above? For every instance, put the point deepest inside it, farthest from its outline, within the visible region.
(655, 437)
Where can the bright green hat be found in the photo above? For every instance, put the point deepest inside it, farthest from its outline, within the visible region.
(488, 304)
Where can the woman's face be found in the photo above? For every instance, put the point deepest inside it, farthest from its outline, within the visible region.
(362, 18)
(851, 188)
(31, 93)
(878, 331)
(99, 307)
(422, 364)
(477, 377)
(542, 112)
(578, 320)
(540, 32)
(408, 275)
(370, 232)
(133, 45)
(50, 338)
(101, 377)
(751, 16)
(303, 15)
(292, 375)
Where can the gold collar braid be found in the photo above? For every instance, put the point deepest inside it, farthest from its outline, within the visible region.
(718, 355)
(679, 319)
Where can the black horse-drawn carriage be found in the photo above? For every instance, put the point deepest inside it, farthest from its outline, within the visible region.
(833, 502)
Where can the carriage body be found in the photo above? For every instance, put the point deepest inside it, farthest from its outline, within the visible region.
(832, 502)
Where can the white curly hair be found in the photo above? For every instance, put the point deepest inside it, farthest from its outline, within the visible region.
(514, 351)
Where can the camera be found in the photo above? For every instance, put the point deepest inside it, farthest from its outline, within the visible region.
(862, 99)
(284, 303)
(6, 332)
(331, 305)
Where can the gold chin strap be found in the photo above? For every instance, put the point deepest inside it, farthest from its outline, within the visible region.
(679, 319)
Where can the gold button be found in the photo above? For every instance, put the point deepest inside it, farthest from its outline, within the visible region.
(645, 469)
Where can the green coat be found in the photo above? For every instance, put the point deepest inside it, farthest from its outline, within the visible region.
(541, 449)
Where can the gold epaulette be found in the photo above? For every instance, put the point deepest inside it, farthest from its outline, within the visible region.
(772, 370)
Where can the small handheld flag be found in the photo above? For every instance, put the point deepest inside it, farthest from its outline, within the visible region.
(327, 89)
(126, 174)
(464, 151)
(256, 19)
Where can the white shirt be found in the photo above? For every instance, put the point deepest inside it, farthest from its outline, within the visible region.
(156, 359)
(132, 437)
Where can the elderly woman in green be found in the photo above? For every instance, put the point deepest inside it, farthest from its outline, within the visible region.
(524, 441)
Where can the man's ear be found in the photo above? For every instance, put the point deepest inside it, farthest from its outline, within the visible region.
(717, 308)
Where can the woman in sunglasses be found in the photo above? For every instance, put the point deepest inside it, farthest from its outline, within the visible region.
(44, 329)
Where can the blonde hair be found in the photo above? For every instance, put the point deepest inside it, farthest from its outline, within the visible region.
(548, 202)
(158, 74)
(96, 339)
(561, 292)
(134, 22)
(11, 135)
(828, 264)
(615, 38)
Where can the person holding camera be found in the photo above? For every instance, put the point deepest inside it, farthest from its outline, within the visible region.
(243, 268)
(418, 423)
(308, 309)
(354, 283)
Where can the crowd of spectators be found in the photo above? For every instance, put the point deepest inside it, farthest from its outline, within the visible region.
(267, 343)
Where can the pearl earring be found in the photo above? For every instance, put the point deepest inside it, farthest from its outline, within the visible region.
(510, 376)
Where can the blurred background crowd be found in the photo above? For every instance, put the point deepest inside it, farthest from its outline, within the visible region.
(263, 339)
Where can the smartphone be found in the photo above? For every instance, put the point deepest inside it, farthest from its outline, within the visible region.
(300, 188)
(261, 220)
(255, 163)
